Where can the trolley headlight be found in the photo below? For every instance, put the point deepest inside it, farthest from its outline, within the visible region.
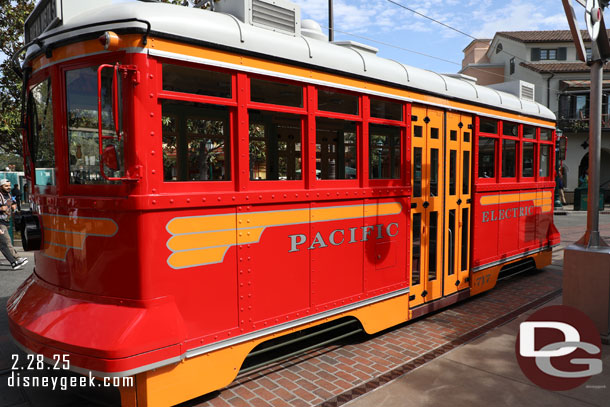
(109, 40)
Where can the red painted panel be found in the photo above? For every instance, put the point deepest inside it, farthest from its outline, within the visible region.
(275, 279)
(385, 251)
(485, 231)
(71, 258)
(204, 287)
(337, 259)
(527, 220)
(545, 217)
(508, 221)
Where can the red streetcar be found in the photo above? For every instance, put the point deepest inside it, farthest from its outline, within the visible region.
(204, 181)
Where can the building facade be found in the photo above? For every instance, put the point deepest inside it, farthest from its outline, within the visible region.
(547, 59)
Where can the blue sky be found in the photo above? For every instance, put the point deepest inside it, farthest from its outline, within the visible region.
(383, 21)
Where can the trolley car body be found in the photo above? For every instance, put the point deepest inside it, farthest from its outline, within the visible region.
(261, 182)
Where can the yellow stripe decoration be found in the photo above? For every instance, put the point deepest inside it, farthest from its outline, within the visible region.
(541, 199)
(204, 240)
(62, 233)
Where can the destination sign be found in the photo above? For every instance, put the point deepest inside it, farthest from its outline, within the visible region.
(45, 15)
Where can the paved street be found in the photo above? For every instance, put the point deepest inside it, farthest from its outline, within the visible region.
(463, 355)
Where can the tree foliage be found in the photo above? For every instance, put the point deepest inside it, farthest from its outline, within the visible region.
(12, 19)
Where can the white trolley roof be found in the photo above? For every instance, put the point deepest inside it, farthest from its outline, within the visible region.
(225, 31)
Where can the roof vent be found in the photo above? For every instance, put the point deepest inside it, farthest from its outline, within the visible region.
(356, 46)
(521, 89)
(527, 91)
(276, 15)
(312, 29)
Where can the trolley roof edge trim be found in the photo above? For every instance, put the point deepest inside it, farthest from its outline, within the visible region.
(243, 68)
(224, 32)
(189, 58)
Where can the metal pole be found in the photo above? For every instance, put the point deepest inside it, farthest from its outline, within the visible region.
(595, 131)
(331, 34)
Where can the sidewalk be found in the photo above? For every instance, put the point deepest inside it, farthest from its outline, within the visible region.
(485, 372)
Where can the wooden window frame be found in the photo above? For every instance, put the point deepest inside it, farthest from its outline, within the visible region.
(516, 138)
(497, 157)
(231, 103)
(551, 144)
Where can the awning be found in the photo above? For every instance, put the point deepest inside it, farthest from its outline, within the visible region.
(580, 84)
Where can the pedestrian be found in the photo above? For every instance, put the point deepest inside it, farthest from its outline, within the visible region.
(7, 206)
(560, 185)
(16, 193)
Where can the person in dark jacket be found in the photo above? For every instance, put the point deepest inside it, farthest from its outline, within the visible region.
(16, 193)
(7, 206)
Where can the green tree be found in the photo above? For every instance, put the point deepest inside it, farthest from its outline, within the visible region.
(12, 18)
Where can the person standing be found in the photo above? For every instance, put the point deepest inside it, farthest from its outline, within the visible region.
(561, 185)
(7, 206)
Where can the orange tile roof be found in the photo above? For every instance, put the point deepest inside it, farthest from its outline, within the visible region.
(543, 36)
(565, 67)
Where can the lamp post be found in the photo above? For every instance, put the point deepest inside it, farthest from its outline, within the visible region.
(586, 272)
(331, 34)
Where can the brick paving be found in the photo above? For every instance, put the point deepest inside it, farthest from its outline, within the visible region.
(335, 374)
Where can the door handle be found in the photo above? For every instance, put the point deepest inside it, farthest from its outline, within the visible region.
(459, 201)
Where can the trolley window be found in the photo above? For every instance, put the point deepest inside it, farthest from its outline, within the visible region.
(509, 158)
(488, 126)
(528, 160)
(196, 81)
(331, 101)
(82, 111)
(487, 157)
(275, 146)
(510, 129)
(529, 132)
(545, 160)
(384, 152)
(546, 134)
(41, 141)
(196, 142)
(336, 149)
(276, 93)
(383, 109)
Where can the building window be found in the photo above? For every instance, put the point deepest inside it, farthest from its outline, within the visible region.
(512, 65)
(574, 106)
(499, 48)
(549, 54)
(589, 54)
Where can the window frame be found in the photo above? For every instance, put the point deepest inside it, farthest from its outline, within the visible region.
(516, 138)
(404, 177)
(551, 144)
(231, 103)
(119, 188)
(316, 183)
(497, 138)
(534, 142)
